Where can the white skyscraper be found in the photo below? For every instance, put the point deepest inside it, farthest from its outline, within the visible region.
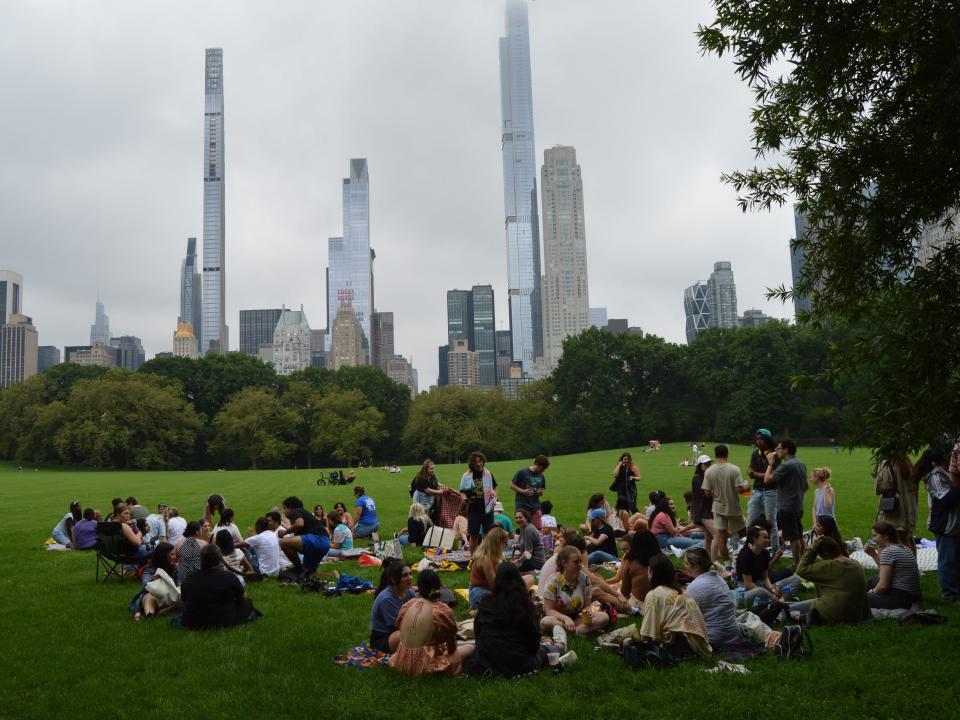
(11, 294)
(213, 327)
(566, 306)
(100, 330)
(520, 188)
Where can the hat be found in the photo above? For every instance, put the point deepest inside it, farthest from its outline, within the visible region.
(704, 459)
(549, 521)
(765, 433)
(597, 513)
(139, 512)
(498, 506)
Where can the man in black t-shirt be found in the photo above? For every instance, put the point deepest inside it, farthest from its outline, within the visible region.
(763, 498)
(529, 484)
(753, 566)
(306, 534)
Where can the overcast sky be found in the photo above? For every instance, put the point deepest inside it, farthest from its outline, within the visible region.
(102, 130)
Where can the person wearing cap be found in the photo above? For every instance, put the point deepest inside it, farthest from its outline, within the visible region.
(763, 499)
(502, 520)
(601, 543)
(722, 481)
(701, 504)
(529, 484)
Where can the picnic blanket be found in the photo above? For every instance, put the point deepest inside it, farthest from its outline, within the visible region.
(458, 556)
(362, 657)
(448, 505)
(926, 559)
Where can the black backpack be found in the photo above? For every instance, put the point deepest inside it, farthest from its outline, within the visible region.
(794, 643)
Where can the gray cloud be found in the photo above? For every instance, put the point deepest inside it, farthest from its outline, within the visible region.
(101, 139)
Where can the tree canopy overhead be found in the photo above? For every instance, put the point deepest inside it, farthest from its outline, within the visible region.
(856, 119)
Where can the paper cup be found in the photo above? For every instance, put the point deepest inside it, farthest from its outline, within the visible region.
(553, 659)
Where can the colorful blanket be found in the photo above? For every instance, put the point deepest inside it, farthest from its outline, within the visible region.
(362, 657)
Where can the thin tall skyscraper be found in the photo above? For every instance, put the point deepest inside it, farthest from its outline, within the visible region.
(723, 296)
(484, 328)
(350, 262)
(566, 306)
(190, 289)
(520, 188)
(100, 330)
(213, 326)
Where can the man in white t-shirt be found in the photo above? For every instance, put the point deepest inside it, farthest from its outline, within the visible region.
(723, 481)
(274, 523)
(267, 547)
(156, 526)
(175, 527)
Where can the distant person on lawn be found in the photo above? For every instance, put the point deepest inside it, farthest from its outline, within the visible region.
(365, 520)
(62, 532)
(529, 484)
(625, 477)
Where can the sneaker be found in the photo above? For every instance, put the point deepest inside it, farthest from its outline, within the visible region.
(560, 637)
(569, 659)
(375, 537)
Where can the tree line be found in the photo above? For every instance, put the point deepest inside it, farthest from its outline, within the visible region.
(608, 391)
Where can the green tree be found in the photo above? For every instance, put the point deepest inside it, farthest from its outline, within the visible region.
(856, 117)
(348, 426)
(254, 425)
(444, 424)
(306, 404)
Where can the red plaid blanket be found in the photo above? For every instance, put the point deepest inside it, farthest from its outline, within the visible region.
(448, 504)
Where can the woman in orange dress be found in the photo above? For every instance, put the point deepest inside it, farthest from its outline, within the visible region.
(428, 634)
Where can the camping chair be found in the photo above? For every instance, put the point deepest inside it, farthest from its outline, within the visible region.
(111, 557)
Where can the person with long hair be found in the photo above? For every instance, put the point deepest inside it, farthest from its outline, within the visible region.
(341, 538)
(671, 617)
(130, 533)
(824, 497)
(840, 584)
(483, 566)
(144, 604)
(63, 532)
(460, 525)
(417, 526)
(944, 493)
(345, 517)
(214, 597)
(898, 485)
(479, 487)
(216, 503)
(393, 591)
(226, 522)
(667, 530)
(506, 631)
(625, 477)
(596, 501)
(634, 570)
(428, 633)
(233, 558)
(567, 597)
(85, 531)
(898, 584)
(426, 487)
(826, 525)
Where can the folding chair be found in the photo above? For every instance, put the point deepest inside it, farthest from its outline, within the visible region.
(111, 558)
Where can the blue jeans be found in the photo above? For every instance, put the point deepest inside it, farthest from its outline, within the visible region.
(678, 541)
(476, 594)
(948, 566)
(61, 537)
(362, 531)
(599, 556)
(424, 499)
(764, 502)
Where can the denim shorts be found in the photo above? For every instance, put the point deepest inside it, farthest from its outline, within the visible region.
(315, 548)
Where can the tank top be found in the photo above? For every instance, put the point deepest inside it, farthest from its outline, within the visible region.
(477, 578)
(819, 509)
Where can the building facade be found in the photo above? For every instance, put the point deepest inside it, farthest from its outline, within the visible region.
(723, 296)
(98, 354)
(100, 330)
(459, 317)
(190, 289)
(443, 355)
(696, 307)
(753, 318)
(483, 313)
(503, 340)
(291, 342)
(521, 221)
(47, 357)
(400, 370)
(566, 305)
(463, 366)
(256, 329)
(18, 350)
(213, 324)
(130, 354)
(350, 259)
(798, 259)
(598, 317)
(11, 294)
(185, 341)
(383, 339)
(346, 343)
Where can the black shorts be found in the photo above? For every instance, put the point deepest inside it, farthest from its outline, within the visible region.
(790, 524)
(476, 521)
(380, 641)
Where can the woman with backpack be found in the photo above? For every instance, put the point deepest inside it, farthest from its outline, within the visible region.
(671, 617)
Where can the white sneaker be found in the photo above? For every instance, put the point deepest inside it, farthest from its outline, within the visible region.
(375, 537)
(560, 637)
(569, 659)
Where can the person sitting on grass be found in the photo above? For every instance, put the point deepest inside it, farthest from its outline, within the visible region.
(601, 541)
(665, 527)
(671, 617)
(483, 567)
(366, 522)
(306, 535)
(266, 548)
(213, 597)
(233, 558)
(567, 597)
(319, 513)
(596, 501)
(840, 584)
(602, 591)
(85, 531)
(502, 520)
(144, 604)
(428, 633)
(634, 573)
(417, 526)
(826, 526)
(275, 523)
(226, 522)
(341, 538)
(62, 532)
(189, 549)
(529, 544)
(460, 525)
(753, 567)
(393, 591)
(175, 526)
(506, 630)
(345, 517)
(216, 503)
(898, 584)
(132, 537)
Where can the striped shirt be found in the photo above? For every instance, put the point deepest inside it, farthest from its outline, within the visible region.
(906, 574)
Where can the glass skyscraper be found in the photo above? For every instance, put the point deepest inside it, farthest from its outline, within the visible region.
(484, 329)
(349, 264)
(520, 188)
(190, 288)
(459, 317)
(100, 330)
(213, 337)
(257, 328)
(723, 296)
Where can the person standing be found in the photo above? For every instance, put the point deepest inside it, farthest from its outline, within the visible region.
(625, 477)
(897, 486)
(701, 504)
(479, 487)
(790, 479)
(529, 484)
(944, 492)
(763, 499)
(426, 487)
(723, 481)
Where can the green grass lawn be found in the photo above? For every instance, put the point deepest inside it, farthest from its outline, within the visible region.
(70, 647)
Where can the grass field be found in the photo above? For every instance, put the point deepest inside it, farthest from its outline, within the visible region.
(71, 649)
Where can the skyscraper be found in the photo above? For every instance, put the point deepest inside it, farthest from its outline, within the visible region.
(350, 261)
(291, 342)
(11, 294)
(346, 345)
(723, 296)
(459, 317)
(598, 317)
(463, 365)
(184, 341)
(520, 187)
(566, 307)
(504, 354)
(130, 354)
(213, 327)
(798, 258)
(18, 350)
(484, 329)
(443, 355)
(696, 307)
(190, 288)
(47, 357)
(100, 330)
(256, 329)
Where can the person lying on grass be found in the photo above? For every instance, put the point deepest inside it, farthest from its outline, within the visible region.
(602, 590)
(392, 592)
(567, 597)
